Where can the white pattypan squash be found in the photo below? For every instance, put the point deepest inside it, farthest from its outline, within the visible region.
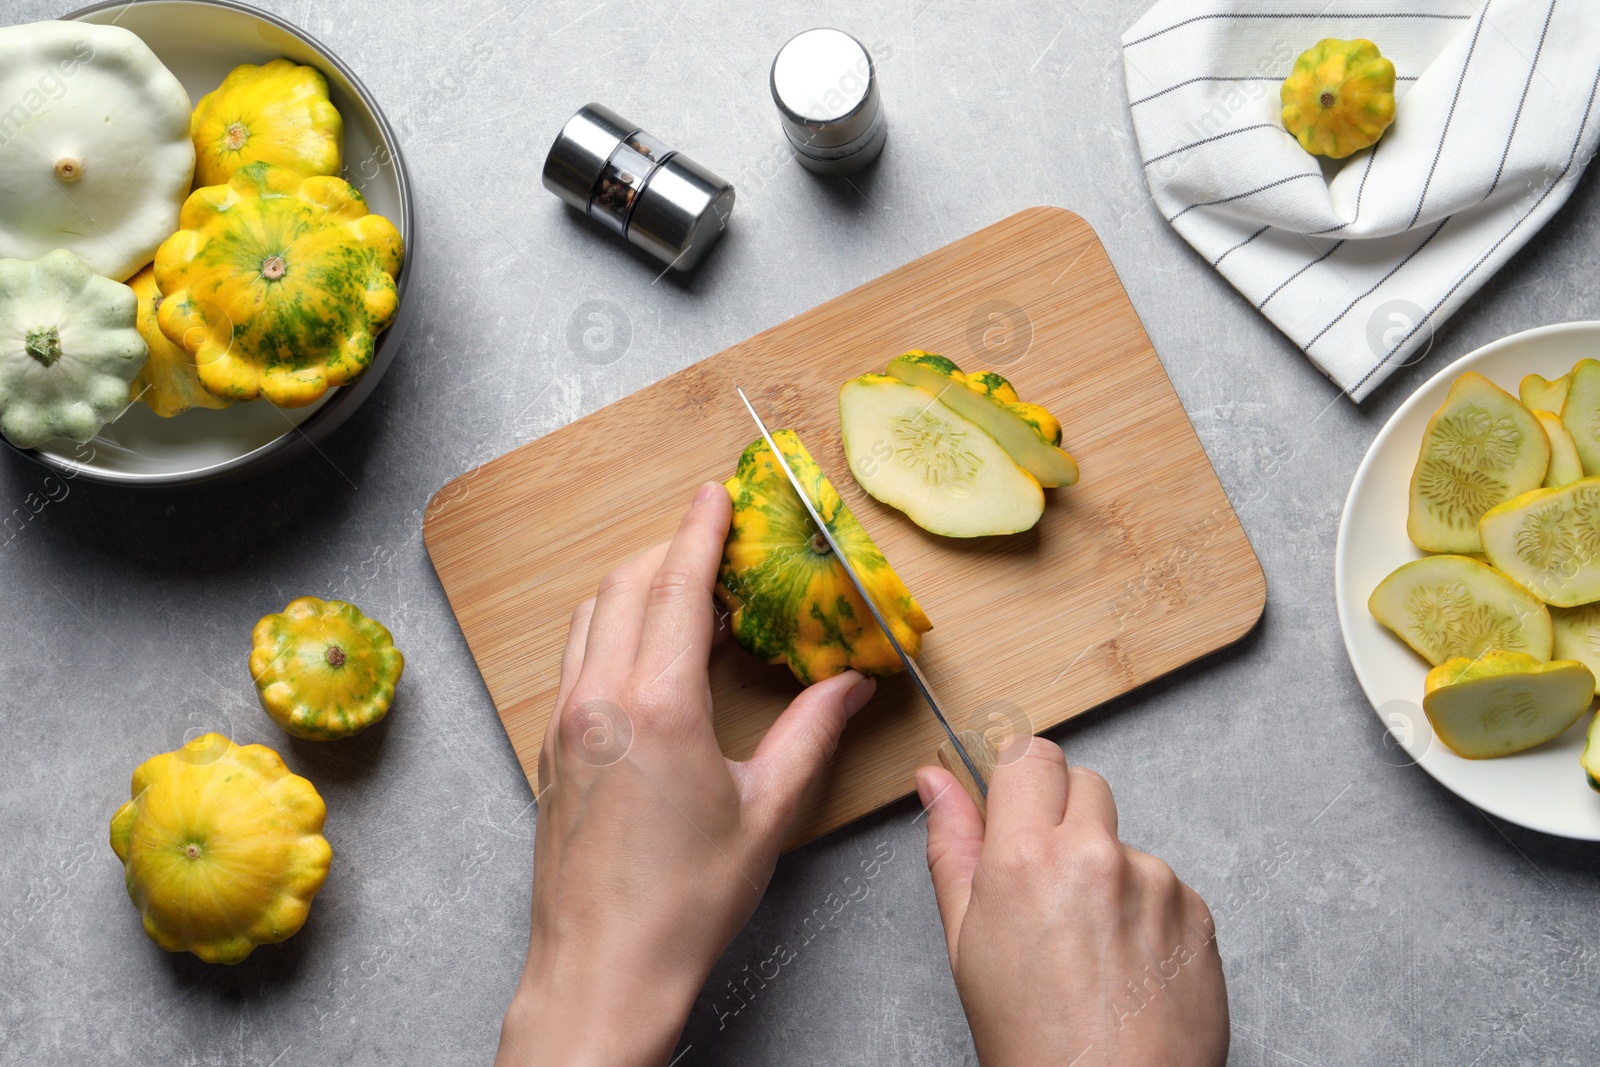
(69, 347)
(95, 155)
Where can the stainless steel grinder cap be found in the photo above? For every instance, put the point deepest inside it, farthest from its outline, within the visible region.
(826, 89)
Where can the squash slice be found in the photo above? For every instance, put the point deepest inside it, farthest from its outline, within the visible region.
(1581, 413)
(1504, 702)
(1577, 635)
(1591, 755)
(1548, 541)
(1450, 606)
(1565, 466)
(1480, 449)
(1538, 393)
(1031, 441)
(951, 478)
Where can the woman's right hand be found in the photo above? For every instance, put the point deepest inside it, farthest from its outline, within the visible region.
(1067, 946)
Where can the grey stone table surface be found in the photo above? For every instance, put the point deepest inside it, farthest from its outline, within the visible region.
(1365, 914)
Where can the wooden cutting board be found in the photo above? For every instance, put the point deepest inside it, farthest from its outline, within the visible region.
(1139, 569)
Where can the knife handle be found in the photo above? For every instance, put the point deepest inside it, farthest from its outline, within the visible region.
(983, 755)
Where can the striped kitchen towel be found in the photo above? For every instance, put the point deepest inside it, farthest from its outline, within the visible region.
(1359, 260)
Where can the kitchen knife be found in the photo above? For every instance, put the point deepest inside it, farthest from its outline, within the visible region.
(969, 755)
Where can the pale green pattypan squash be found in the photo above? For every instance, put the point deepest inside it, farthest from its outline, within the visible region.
(68, 349)
(95, 155)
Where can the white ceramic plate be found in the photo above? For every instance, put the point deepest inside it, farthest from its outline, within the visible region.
(1544, 788)
(200, 41)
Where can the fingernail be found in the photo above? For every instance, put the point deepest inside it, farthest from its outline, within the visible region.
(859, 694)
(707, 493)
(925, 792)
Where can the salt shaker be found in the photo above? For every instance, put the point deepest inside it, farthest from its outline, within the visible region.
(826, 89)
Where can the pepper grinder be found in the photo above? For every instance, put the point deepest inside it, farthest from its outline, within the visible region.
(826, 89)
(638, 188)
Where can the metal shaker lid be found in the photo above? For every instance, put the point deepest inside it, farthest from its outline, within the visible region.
(579, 154)
(681, 213)
(826, 89)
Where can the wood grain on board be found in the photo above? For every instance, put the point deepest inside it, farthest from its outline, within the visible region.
(1139, 569)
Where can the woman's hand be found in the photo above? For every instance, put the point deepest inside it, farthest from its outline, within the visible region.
(652, 849)
(1067, 946)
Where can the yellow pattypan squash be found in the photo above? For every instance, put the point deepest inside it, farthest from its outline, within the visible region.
(1339, 98)
(168, 383)
(223, 848)
(277, 113)
(323, 669)
(791, 600)
(278, 285)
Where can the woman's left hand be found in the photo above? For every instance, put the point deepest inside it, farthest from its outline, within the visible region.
(652, 848)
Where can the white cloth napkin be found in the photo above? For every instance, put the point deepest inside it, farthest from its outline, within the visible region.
(1358, 261)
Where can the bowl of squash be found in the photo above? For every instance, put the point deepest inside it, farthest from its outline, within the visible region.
(206, 234)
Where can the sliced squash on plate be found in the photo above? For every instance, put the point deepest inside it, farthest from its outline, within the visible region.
(1480, 449)
(1548, 541)
(1565, 466)
(1450, 606)
(1504, 702)
(1581, 413)
(1538, 393)
(1591, 755)
(1576, 633)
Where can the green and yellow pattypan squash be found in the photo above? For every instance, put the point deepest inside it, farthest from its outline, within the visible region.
(278, 285)
(222, 848)
(1339, 98)
(169, 383)
(324, 670)
(95, 155)
(68, 349)
(790, 599)
(276, 113)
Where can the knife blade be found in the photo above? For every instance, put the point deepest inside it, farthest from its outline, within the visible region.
(968, 763)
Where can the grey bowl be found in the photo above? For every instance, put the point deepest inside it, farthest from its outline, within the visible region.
(201, 41)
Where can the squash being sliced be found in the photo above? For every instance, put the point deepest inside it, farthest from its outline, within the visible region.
(910, 451)
(1032, 443)
(1538, 393)
(1548, 541)
(1565, 466)
(1480, 449)
(790, 600)
(1504, 702)
(1450, 606)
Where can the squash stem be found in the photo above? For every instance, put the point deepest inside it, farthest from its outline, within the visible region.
(44, 344)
